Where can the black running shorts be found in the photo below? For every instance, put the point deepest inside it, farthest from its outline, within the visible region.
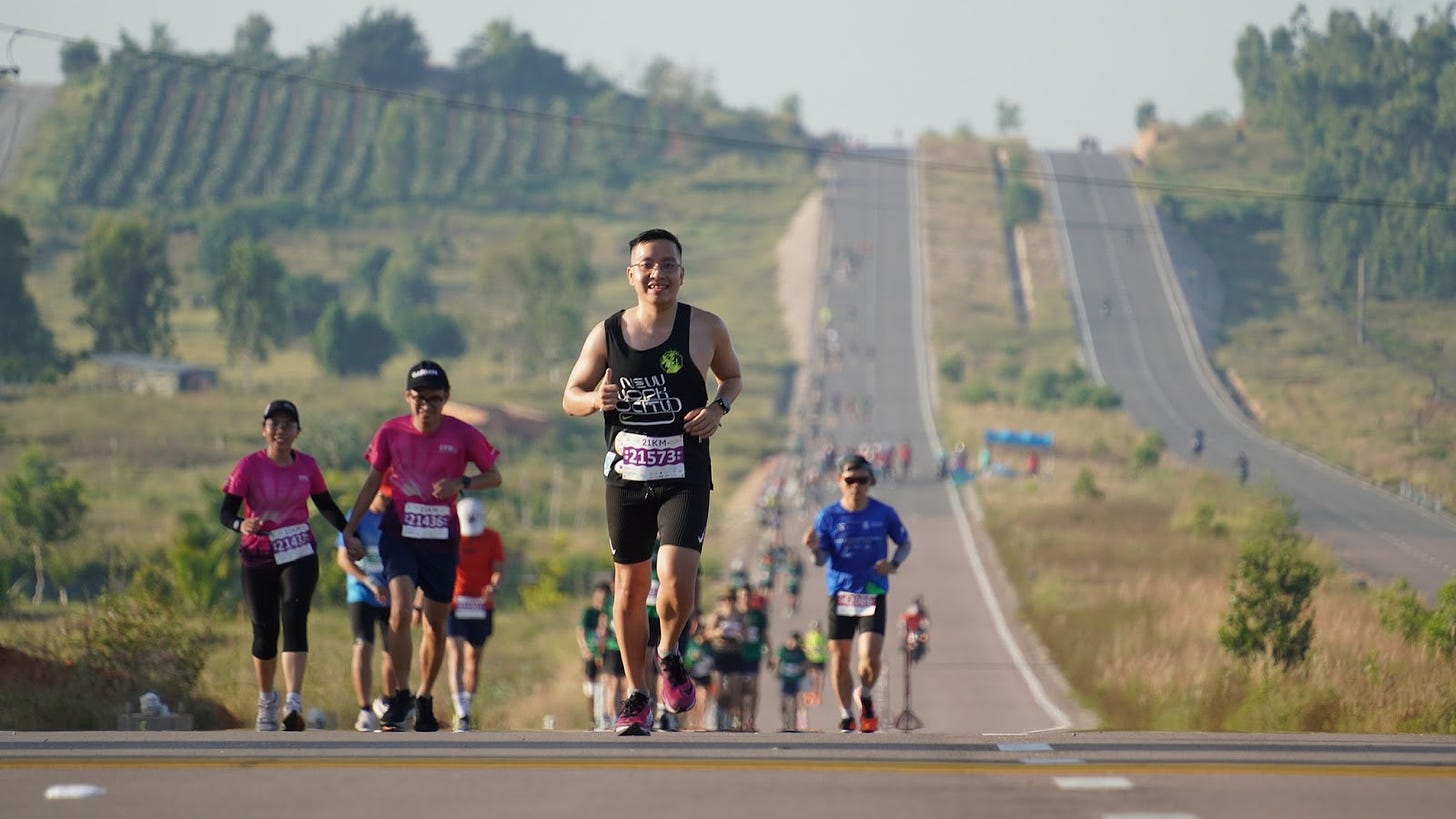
(843, 627)
(637, 513)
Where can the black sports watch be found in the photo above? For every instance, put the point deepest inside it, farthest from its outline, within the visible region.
(724, 405)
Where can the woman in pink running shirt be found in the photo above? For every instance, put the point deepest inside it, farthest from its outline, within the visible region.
(425, 454)
(266, 500)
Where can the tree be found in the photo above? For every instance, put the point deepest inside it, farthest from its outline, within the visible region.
(1020, 203)
(249, 299)
(123, 281)
(79, 58)
(502, 60)
(40, 508)
(395, 151)
(1272, 586)
(352, 346)
(368, 270)
(539, 314)
(27, 349)
(384, 51)
(1147, 114)
(304, 299)
(1008, 117)
(253, 40)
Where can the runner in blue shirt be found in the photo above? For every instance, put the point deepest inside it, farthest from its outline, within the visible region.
(368, 597)
(851, 538)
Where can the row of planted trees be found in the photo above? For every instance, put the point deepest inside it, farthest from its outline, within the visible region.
(190, 135)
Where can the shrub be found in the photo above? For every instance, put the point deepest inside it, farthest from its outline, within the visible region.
(1401, 610)
(1085, 486)
(1148, 452)
(1441, 625)
(979, 391)
(1272, 587)
(953, 368)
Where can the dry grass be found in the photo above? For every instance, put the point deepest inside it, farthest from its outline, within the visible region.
(1124, 593)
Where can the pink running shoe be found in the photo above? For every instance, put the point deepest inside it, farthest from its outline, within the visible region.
(678, 692)
(635, 718)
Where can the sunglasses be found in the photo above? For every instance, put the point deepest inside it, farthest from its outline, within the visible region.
(856, 480)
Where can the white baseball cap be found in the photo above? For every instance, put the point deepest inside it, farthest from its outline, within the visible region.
(472, 516)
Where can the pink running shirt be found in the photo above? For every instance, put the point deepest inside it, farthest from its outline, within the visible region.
(279, 495)
(415, 460)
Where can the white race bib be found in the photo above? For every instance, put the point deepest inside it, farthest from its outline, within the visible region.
(849, 604)
(469, 608)
(291, 543)
(649, 457)
(425, 521)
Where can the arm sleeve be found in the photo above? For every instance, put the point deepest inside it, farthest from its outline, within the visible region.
(902, 551)
(228, 514)
(330, 510)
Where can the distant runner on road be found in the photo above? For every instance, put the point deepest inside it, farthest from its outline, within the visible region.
(852, 537)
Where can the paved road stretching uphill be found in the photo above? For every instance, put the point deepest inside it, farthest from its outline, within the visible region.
(1146, 349)
(979, 676)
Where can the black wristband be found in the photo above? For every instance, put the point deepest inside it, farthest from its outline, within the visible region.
(237, 524)
(465, 481)
(723, 405)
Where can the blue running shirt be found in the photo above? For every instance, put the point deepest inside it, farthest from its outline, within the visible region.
(854, 542)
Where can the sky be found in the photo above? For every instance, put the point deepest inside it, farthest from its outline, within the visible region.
(878, 71)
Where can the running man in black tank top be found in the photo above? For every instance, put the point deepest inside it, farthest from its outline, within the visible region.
(645, 369)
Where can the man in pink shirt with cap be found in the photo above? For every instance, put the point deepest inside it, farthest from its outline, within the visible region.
(425, 454)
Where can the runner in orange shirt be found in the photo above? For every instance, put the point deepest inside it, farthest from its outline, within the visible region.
(472, 616)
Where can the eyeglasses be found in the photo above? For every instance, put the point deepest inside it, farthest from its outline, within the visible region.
(437, 400)
(856, 480)
(285, 424)
(668, 268)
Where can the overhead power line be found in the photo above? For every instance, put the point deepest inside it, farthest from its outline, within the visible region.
(813, 148)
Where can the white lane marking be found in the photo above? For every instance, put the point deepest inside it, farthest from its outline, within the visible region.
(1093, 783)
(1059, 718)
(1052, 760)
(1149, 816)
(75, 791)
(1022, 747)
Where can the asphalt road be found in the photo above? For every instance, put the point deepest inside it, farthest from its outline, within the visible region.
(1000, 737)
(1146, 348)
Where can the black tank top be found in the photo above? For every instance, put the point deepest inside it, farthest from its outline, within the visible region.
(656, 387)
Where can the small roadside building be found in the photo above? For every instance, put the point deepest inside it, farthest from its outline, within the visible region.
(143, 374)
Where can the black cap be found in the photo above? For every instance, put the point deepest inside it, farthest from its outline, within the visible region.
(855, 462)
(281, 407)
(427, 375)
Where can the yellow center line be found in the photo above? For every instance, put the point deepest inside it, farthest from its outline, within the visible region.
(773, 766)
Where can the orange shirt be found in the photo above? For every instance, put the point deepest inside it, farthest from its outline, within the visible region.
(480, 557)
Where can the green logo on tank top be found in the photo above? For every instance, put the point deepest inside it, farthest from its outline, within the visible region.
(671, 361)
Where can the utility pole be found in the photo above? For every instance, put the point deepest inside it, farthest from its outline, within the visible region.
(1360, 301)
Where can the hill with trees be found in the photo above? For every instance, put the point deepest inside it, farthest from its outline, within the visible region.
(368, 120)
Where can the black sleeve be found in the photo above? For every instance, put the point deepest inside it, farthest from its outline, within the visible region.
(330, 510)
(231, 506)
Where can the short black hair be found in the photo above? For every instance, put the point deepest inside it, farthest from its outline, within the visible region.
(654, 235)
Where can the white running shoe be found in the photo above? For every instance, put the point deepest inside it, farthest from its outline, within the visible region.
(267, 712)
(380, 706)
(367, 722)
